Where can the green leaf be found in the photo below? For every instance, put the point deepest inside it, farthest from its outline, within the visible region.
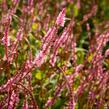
(34, 26)
(59, 104)
(39, 75)
(75, 10)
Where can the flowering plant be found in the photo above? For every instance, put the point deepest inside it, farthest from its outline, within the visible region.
(54, 55)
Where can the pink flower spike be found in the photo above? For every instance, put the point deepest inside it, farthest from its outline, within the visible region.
(30, 2)
(6, 41)
(19, 35)
(53, 59)
(25, 105)
(61, 18)
(79, 4)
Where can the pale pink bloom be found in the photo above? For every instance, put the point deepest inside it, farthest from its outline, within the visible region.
(78, 4)
(49, 103)
(73, 45)
(39, 59)
(102, 40)
(78, 68)
(6, 38)
(88, 27)
(25, 105)
(6, 41)
(49, 35)
(53, 59)
(107, 53)
(19, 35)
(30, 2)
(61, 18)
(14, 99)
(15, 2)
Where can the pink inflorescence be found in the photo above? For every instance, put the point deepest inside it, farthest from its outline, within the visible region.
(61, 18)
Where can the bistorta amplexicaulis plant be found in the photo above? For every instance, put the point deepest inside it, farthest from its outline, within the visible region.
(54, 54)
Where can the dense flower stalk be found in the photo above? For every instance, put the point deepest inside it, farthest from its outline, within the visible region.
(47, 40)
(13, 100)
(61, 18)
